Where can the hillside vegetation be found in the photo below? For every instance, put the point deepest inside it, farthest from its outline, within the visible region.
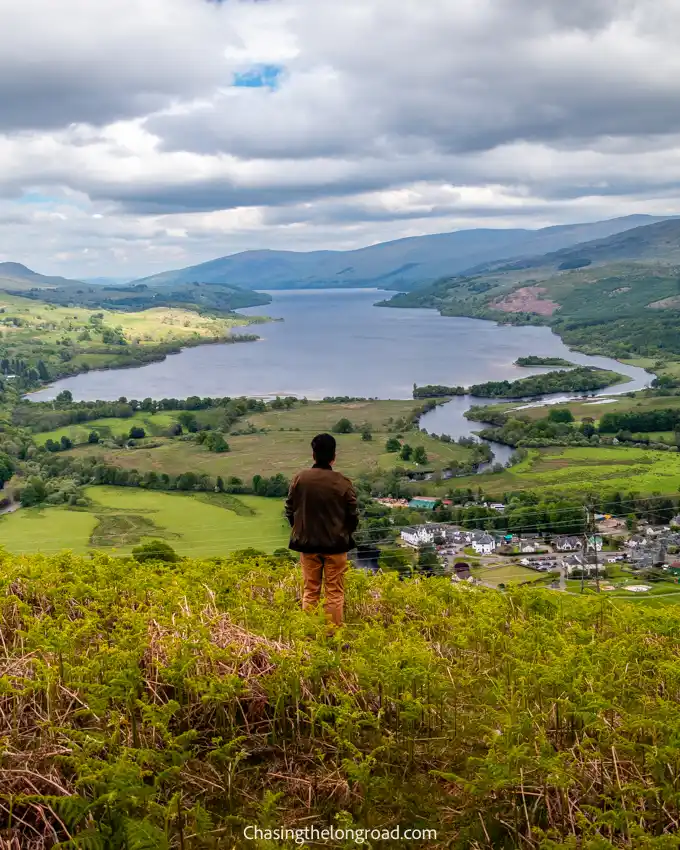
(40, 342)
(171, 706)
(17, 279)
(618, 296)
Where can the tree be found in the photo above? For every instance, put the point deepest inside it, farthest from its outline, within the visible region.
(219, 484)
(588, 427)
(396, 560)
(215, 442)
(43, 371)
(34, 493)
(155, 550)
(64, 397)
(66, 443)
(343, 426)
(93, 437)
(406, 452)
(419, 455)
(137, 433)
(392, 445)
(188, 421)
(366, 434)
(428, 563)
(561, 414)
(6, 468)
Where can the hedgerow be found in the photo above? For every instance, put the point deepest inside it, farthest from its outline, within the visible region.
(169, 705)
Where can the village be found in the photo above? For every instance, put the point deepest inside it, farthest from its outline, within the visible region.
(610, 557)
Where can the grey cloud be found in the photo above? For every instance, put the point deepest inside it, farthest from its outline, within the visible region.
(99, 62)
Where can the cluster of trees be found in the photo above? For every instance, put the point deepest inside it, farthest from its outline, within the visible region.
(81, 472)
(558, 428)
(214, 441)
(436, 391)
(344, 426)
(646, 420)
(406, 452)
(535, 360)
(581, 379)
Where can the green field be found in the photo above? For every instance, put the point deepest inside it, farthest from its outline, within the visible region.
(577, 470)
(285, 444)
(198, 524)
(153, 423)
(510, 574)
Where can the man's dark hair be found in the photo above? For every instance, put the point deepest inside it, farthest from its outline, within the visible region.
(323, 449)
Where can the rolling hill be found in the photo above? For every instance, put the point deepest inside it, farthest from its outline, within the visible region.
(17, 279)
(401, 264)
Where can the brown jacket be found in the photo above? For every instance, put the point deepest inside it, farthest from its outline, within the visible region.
(322, 511)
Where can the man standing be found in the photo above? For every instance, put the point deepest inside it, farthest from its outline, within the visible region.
(322, 511)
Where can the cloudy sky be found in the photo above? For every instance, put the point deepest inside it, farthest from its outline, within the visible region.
(141, 135)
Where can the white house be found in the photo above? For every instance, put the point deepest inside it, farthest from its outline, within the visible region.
(568, 544)
(484, 544)
(420, 535)
(528, 547)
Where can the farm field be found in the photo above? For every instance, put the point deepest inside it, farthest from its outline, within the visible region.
(267, 454)
(576, 470)
(283, 447)
(119, 518)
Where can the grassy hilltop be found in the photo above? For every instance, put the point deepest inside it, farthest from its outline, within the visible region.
(170, 706)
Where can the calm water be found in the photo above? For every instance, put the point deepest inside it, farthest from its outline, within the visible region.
(335, 342)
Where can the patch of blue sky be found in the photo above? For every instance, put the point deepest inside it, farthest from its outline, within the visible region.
(37, 198)
(259, 77)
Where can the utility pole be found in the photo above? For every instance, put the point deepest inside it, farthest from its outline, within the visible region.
(591, 529)
(585, 546)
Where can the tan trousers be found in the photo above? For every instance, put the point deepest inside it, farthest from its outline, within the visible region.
(329, 569)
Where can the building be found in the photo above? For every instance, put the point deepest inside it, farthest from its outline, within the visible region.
(528, 547)
(416, 536)
(484, 544)
(422, 503)
(499, 507)
(578, 564)
(568, 544)
(595, 543)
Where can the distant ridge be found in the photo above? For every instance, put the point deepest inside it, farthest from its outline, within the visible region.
(400, 264)
(17, 276)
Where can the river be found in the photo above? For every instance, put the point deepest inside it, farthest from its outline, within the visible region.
(335, 342)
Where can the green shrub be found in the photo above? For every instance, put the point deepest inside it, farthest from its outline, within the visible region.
(155, 550)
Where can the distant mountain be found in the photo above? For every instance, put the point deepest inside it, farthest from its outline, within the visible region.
(402, 264)
(107, 281)
(658, 242)
(18, 277)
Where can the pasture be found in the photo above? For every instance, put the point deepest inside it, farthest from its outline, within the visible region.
(199, 524)
(578, 470)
